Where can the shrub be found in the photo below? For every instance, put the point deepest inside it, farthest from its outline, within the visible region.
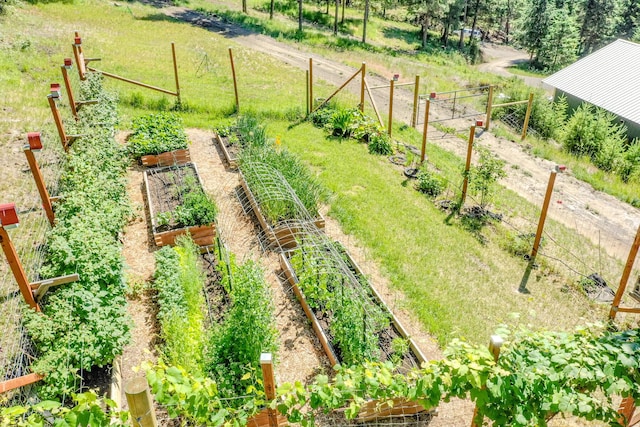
(429, 183)
(484, 175)
(157, 133)
(380, 143)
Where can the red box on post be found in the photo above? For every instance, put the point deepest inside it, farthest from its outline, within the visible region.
(8, 215)
(479, 123)
(35, 143)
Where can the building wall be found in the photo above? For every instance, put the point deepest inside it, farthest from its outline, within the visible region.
(633, 129)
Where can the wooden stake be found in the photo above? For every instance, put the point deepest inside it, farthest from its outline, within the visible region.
(336, 91)
(175, 70)
(307, 93)
(16, 269)
(495, 343)
(362, 83)
(527, 116)
(423, 151)
(235, 82)
(625, 410)
(57, 118)
(268, 379)
(373, 102)
(543, 216)
(140, 403)
(633, 252)
(42, 188)
(67, 85)
(487, 122)
(416, 99)
(467, 167)
(311, 106)
(392, 82)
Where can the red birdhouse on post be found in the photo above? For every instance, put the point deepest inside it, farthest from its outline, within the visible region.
(8, 215)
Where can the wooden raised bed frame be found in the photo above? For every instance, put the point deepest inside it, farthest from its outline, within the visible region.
(374, 408)
(170, 158)
(283, 235)
(202, 235)
(231, 160)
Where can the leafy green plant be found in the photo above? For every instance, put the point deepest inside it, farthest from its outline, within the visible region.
(429, 183)
(247, 331)
(155, 134)
(342, 122)
(380, 143)
(84, 324)
(179, 281)
(88, 410)
(485, 174)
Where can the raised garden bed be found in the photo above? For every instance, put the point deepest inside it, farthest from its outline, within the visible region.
(321, 322)
(230, 149)
(170, 158)
(283, 233)
(169, 191)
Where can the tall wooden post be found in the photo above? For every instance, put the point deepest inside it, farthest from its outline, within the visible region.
(362, 84)
(423, 151)
(140, 403)
(625, 275)
(489, 106)
(525, 126)
(67, 86)
(416, 96)
(391, 87)
(175, 70)
(57, 118)
(311, 106)
(495, 344)
(307, 93)
(467, 167)
(16, 269)
(42, 188)
(235, 82)
(268, 379)
(543, 216)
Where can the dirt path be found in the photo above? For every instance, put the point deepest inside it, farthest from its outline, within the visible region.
(593, 214)
(499, 58)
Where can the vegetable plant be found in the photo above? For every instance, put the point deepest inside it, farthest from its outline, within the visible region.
(156, 134)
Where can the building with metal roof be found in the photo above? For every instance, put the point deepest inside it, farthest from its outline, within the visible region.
(608, 78)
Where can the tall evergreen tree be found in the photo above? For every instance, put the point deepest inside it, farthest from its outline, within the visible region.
(629, 20)
(559, 46)
(534, 26)
(597, 23)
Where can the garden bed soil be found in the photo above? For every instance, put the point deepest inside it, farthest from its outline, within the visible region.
(161, 197)
(282, 234)
(169, 158)
(230, 151)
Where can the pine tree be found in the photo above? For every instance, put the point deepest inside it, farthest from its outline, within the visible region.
(597, 23)
(535, 25)
(629, 21)
(559, 46)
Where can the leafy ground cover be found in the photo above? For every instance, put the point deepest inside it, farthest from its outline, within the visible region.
(83, 325)
(156, 134)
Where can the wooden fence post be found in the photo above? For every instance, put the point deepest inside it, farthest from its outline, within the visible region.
(625, 276)
(391, 87)
(175, 70)
(416, 96)
(67, 86)
(307, 93)
(235, 82)
(9, 218)
(57, 118)
(311, 106)
(489, 106)
(268, 379)
(495, 343)
(362, 83)
(543, 216)
(525, 126)
(140, 403)
(423, 151)
(35, 144)
(467, 166)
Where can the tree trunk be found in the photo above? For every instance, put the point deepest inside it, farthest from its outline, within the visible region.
(300, 15)
(335, 21)
(271, 7)
(464, 22)
(327, 11)
(244, 6)
(364, 22)
(475, 20)
(344, 2)
(506, 38)
(424, 33)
